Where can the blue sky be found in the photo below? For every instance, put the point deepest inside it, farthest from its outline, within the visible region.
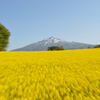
(32, 20)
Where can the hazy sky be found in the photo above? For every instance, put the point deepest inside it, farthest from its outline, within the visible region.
(33, 20)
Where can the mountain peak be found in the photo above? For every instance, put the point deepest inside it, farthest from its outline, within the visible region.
(52, 40)
(52, 37)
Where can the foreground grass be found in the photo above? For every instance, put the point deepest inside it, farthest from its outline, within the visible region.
(50, 75)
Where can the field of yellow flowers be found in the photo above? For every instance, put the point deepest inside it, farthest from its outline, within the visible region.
(50, 75)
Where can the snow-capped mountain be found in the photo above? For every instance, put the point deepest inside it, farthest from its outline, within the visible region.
(52, 41)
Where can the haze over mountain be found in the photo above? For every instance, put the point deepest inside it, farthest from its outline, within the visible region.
(52, 41)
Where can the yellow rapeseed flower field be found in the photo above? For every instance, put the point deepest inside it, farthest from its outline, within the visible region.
(50, 75)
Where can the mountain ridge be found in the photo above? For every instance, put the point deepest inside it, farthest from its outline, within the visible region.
(52, 41)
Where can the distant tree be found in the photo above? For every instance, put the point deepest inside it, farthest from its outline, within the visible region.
(55, 48)
(97, 46)
(4, 37)
(89, 47)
